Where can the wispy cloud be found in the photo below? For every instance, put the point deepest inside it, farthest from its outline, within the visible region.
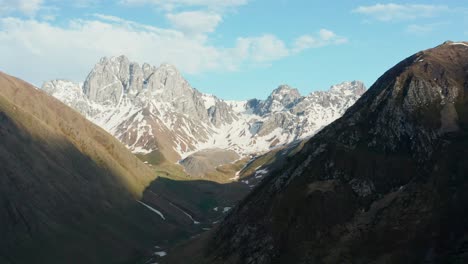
(419, 29)
(173, 4)
(50, 53)
(262, 49)
(267, 48)
(86, 3)
(26, 7)
(399, 12)
(194, 22)
(422, 29)
(192, 17)
(324, 37)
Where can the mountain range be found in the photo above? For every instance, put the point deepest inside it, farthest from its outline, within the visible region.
(152, 108)
(384, 182)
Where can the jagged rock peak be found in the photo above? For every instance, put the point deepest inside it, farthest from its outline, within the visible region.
(286, 89)
(282, 97)
(120, 59)
(58, 84)
(355, 87)
(114, 77)
(169, 68)
(125, 61)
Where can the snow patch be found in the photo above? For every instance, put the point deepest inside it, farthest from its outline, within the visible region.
(260, 173)
(459, 43)
(187, 214)
(152, 209)
(236, 177)
(208, 100)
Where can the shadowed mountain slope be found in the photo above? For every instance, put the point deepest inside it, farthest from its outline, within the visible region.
(68, 189)
(386, 183)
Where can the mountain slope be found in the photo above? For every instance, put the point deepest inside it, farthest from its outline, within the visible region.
(155, 109)
(386, 183)
(67, 188)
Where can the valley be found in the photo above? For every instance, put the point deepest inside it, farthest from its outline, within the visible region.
(233, 152)
(207, 153)
(313, 193)
(65, 179)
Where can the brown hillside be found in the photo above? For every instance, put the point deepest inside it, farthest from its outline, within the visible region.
(67, 188)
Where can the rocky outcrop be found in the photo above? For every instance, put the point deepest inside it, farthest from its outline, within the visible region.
(283, 97)
(303, 116)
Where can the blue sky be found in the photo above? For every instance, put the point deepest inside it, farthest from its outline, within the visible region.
(235, 49)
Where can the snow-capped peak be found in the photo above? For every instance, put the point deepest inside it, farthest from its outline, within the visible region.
(154, 108)
(168, 67)
(284, 89)
(349, 87)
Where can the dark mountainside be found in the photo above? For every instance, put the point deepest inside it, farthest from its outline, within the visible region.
(68, 189)
(386, 183)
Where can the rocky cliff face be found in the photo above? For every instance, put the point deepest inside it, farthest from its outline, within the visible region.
(154, 108)
(281, 98)
(386, 183)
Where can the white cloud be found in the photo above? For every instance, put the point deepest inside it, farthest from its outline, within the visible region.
(193, 17)
(267, 48)
(172, 4)
(27, 7)
(324, 37)
(422, 29)
(326, 34)
(399, 12)
(40, 51)
(195, 22)
(419, 29)
(261, 49)
(85, 3)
